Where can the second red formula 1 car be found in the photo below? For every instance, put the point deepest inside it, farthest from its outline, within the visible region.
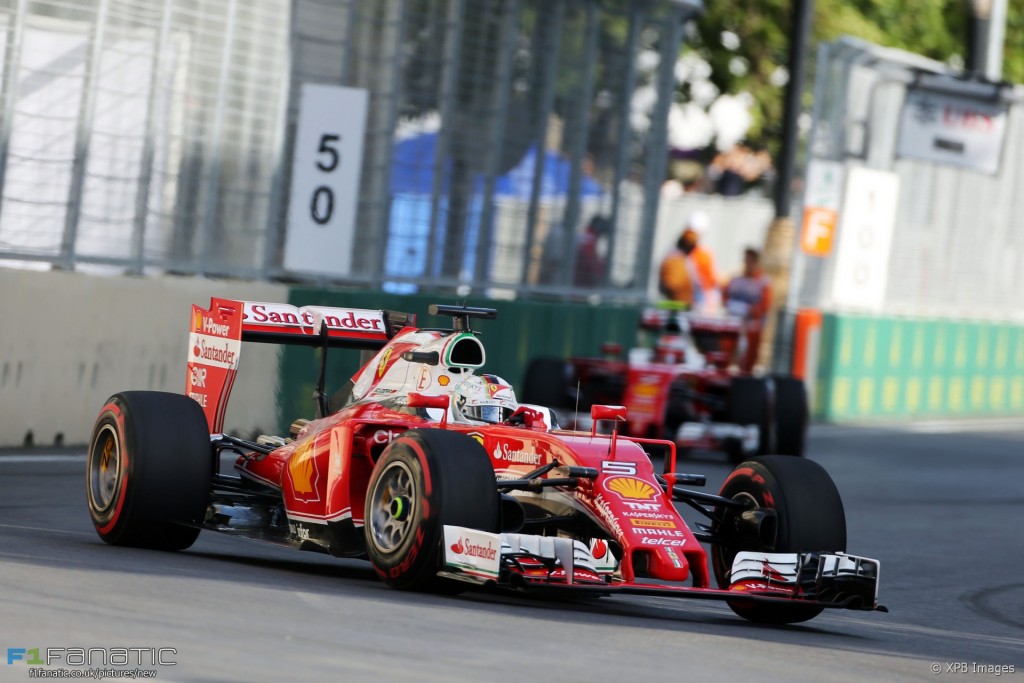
(679, 383)
(435, 474)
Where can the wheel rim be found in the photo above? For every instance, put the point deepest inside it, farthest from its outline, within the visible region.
(393, 506)
(104, 469)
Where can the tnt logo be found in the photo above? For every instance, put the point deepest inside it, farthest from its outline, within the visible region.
(20, 654)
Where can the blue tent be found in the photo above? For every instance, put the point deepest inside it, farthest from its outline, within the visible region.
(412, 184)
(412, 172)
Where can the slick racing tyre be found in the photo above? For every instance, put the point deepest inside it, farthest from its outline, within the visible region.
(546, 383)
(426, 478)
(148, 470)
(750, 404)
(808, 516)
(791, 416)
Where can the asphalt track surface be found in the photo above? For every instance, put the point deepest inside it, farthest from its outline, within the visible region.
(944, 512)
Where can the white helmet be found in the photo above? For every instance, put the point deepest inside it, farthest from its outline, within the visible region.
(486, 398)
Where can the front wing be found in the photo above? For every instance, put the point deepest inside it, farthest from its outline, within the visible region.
(541, 563)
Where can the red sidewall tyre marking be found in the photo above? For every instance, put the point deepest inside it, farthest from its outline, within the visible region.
(114, 410)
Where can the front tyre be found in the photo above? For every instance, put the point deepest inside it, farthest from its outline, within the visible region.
(808, 516)
(148, 470)
(424, 480)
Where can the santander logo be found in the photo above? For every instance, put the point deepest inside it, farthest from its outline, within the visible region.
(486, 552)
(308, 318)
(599, 549)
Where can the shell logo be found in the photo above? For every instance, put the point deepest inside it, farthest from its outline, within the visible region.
(630, 488)
(646, 390)
(305, 474)
(198, 322)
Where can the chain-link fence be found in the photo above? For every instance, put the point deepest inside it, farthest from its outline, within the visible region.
(956, 248)
(141, 133)
(157, 135)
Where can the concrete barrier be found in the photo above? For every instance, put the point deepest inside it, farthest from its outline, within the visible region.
(69, 340)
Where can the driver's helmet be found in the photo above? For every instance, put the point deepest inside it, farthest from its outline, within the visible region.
(486, 398)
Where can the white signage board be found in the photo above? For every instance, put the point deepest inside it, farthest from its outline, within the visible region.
(946, 129)
(325, 180)
(866, 224)
(824, 184)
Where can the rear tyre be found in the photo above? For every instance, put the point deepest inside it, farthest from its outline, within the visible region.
(809, 516)
(148, 470)
(426, 478)
(750, 404)
(791, 416)
(546, 383)
(677, 409)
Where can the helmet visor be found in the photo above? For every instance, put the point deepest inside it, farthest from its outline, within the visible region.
(491, 413)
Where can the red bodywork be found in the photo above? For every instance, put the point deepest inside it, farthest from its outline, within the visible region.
(318, 481)
(322, 475)
(700, 374)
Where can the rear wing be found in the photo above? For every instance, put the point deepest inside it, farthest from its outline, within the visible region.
(354, 328)
(216, 335)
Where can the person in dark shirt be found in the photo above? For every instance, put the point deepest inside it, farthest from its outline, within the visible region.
(590, 264)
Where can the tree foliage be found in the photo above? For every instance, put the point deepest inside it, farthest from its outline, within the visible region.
(756, 62)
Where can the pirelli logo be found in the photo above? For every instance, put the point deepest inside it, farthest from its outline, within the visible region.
(655, 523)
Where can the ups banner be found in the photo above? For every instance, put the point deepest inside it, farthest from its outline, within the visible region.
(884, 367)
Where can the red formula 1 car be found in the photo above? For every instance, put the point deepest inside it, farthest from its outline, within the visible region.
(679, 383)
(443, 487)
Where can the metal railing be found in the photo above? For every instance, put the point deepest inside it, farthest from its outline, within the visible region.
(956, 252)
(157, 135)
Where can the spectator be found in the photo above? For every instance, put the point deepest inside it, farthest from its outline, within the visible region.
(590, 264)
(704, 264)
(738, 169)
(686, 176)
(748, 296)
(677, 280)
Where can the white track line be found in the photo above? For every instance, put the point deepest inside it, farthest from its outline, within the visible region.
(14, 459)
(47, 530)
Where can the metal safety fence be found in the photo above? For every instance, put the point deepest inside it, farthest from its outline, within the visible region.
(140, 134)
(158, 135)
(956, 249)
